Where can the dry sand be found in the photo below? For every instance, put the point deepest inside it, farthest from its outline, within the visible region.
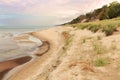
(42, 63)
(70, 55)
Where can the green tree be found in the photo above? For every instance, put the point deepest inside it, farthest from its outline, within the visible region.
(104, 13)
(114, 9)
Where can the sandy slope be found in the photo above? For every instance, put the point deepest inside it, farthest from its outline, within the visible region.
(73, 59)
(42, 66)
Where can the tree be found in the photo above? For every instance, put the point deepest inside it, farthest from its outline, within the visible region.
(104, 13)
(114, 9)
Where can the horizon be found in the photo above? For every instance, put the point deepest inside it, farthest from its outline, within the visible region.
(20, 13)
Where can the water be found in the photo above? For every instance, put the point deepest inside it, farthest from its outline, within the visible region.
(10, 49)
(22, 29)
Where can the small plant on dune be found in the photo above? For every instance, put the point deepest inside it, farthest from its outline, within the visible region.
(109, 29)
(98, 37)
(113, 45)
(84, 40)
(84, 26)
(68, 40)
(65, 34)
(101, 62)
(94, 28)
(98, 48)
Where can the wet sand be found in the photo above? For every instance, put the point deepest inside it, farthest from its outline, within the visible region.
(10, 64)
(6, 66)
(42, 55)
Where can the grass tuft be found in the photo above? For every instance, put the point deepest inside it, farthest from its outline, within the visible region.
(68, 40)
(109, 29)
(99, 38)
(113, 45)
(101, 62)
(98, 48)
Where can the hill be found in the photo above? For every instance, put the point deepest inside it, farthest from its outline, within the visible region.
(108, 26)
(106, 12)
(74, 54)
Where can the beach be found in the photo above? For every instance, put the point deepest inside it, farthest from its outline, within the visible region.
(46, 49)
(10, 64)
(67, 53)
(18, 48)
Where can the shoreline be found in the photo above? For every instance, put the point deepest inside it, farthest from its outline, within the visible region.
(46, 56)
(46, 59)
(12, 64)
(6, 66)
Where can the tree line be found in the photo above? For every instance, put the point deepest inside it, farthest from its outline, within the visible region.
(105, 12)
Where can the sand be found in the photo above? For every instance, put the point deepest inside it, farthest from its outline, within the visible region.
(71, 57)
(44, 48)
(10, 64)
(42, 63)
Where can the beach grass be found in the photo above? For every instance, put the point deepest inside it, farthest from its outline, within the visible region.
(107, 26)
(98, 48)
(99, 62)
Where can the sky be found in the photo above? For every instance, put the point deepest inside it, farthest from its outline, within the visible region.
(44, 12)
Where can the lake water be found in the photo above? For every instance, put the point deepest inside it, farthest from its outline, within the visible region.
(9, 48)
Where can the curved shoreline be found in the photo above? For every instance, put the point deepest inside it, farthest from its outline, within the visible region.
(9, 65)
(54, 43)
(42, 50)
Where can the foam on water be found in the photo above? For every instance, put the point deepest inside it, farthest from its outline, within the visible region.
(10, 49)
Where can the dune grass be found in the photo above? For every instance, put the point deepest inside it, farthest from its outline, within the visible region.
(99, 62)
(113, 45)
(68, 40)
(107, 26)
(98, 48)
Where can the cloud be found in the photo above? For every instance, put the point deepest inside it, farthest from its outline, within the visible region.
(52, 7)
(47, 11)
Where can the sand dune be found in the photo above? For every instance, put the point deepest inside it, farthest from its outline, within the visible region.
(72, 54)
